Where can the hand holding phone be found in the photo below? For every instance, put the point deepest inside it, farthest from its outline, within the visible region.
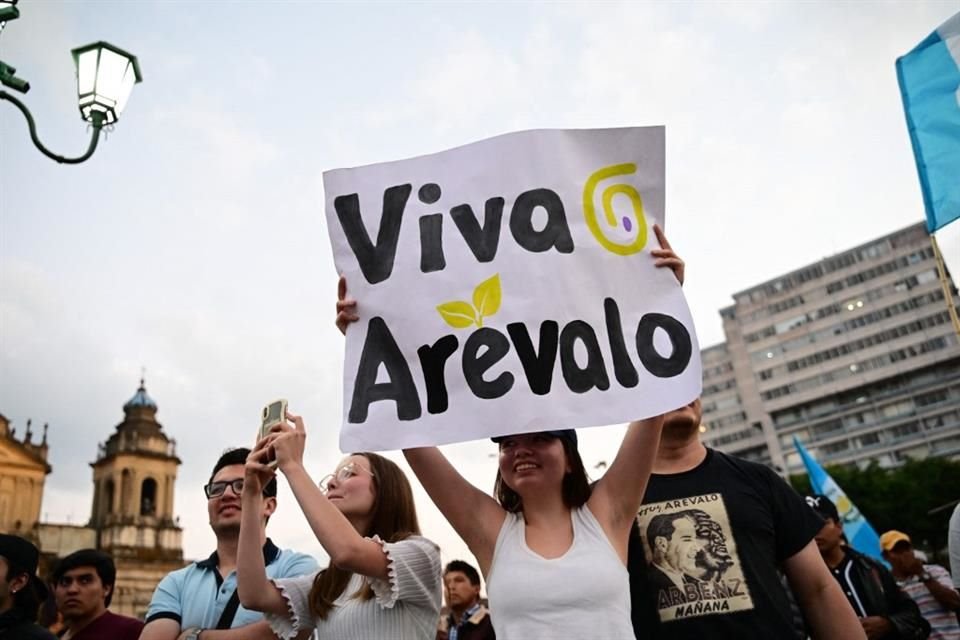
(272, 415)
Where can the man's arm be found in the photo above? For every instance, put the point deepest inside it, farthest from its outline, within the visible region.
(902, 611)
(164, 612)
(941, 588)
(253, 631)
(161, 629)
(167, 629)
(824, 606)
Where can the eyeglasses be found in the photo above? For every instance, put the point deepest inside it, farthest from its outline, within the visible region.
(343, 474)
(217, 489)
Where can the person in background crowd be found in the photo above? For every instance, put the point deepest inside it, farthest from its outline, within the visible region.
(953, 542)
(886, 612)
(928, 584)
(199, 602)
(83, 588)
(468, 618)
(715, 532)
(21, 591)
(383, 580)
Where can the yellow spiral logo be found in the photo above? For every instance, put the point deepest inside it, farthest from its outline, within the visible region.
(590, 212)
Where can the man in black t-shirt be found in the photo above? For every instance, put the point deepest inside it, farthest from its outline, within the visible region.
(712, 532)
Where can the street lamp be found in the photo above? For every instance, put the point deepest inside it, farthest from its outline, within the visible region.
(8, 11)
(105, 77)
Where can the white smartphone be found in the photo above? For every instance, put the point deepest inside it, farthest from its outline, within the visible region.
(272, 415)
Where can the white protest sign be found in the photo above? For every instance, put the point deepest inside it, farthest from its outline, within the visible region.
(506, 286)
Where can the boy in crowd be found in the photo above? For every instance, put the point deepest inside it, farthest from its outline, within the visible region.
(83, 588)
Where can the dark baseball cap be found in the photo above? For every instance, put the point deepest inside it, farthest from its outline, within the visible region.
(23, 557)
(570, 435)
(823, 506)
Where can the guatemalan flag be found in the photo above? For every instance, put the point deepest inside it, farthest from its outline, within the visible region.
(929, 79)
(860, 533)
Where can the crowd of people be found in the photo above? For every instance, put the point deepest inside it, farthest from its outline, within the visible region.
(675, 540)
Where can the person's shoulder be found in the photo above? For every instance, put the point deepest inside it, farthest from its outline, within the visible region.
(33, 631)
(117, 622)
(728, 469)
(741, 464)
(177, 577)
(414, 541)
(129, 622)
(289, 560)
(866, 560)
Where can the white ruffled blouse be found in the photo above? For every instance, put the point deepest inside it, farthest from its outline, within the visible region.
(406, 606)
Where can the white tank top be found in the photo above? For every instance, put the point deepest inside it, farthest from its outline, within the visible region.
(585, 593)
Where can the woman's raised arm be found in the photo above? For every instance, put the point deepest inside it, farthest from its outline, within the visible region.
(347, 548)
(255, 590)
(474, 515)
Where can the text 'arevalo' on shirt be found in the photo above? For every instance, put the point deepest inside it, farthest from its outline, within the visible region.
(711, 541)
(406, 606)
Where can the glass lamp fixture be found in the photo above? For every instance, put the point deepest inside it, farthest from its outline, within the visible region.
(105, 77)
(8, 11)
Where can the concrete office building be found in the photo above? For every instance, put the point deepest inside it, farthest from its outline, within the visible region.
(854, 354)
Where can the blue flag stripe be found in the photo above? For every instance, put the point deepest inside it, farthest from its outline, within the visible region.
(860, 533)
(929, 79)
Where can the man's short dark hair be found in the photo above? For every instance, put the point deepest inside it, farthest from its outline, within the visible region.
(239, 455)
(466, 569)
(101, 562)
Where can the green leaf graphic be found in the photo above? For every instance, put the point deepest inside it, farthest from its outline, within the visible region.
(458, 314)
(486, 297)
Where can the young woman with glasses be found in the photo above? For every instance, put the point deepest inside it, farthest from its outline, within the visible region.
(383, 580)
(553, 551)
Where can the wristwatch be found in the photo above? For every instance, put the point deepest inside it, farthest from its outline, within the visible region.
(194, 634)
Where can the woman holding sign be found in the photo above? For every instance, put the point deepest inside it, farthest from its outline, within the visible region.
(552, 550)
(383, 580)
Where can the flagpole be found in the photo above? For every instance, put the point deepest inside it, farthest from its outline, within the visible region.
(945, 283)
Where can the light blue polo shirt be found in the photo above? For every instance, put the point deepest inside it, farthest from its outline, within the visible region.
(196, 595)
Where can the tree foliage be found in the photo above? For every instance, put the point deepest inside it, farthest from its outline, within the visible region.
(901, 498)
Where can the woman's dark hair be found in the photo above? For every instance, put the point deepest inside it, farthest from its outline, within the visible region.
(575, 488)
(26, 601)
(394, 519)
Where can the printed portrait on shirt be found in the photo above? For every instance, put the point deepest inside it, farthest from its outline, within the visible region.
(692, 563)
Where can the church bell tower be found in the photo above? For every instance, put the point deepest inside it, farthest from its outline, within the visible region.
(133, 478)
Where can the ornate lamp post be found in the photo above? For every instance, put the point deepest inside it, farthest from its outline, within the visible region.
(105, 77)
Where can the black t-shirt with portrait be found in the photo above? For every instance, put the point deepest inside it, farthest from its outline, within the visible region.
(709, 541)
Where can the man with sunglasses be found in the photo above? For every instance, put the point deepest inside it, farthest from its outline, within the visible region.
(199, 602)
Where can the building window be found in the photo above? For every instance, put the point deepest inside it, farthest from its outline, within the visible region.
(869, 439)
(108, 493)
(148, 497)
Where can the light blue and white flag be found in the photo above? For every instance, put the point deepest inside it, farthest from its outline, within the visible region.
(861, 535)
(929, 78)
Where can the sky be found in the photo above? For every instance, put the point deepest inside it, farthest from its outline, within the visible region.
(193, 244)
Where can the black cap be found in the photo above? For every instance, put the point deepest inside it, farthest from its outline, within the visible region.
(823, 506)
(23, 557)
(570, 435)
